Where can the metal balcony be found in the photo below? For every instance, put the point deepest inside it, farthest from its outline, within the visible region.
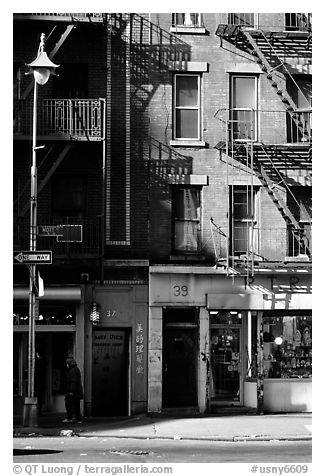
(63, 119)
(64, 17)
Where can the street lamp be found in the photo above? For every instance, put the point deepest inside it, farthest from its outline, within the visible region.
(42, 67)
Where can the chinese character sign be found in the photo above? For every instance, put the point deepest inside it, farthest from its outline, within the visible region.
(139, 349)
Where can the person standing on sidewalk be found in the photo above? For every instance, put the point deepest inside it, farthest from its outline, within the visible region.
(74, 392)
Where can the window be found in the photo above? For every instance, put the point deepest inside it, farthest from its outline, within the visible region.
(287, 346)
(243, 202)
(187, 19)
(243, 107)
(299, 87)
(69, 196)
(248, 20)
(300, 204)
(187, 106)
(186, 219)
(298, 21)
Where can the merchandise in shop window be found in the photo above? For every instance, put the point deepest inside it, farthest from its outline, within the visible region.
(287, 348)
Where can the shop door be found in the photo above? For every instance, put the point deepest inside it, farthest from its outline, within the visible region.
(110, 372)
(179, 383)
(225, 365)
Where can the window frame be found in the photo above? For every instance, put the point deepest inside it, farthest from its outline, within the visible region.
(234, 76)
(175, 219)
(248, 27)
(251, 223)
(197, 108)
(187, 20)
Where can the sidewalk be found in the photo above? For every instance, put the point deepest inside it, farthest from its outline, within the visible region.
(192, 427)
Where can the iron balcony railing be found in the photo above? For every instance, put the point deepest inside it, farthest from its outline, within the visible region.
(79, 119)
(268, 127)
(264, 244)
(82, 236)
(87, 17)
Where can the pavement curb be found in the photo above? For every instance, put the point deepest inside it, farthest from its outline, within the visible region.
(162, 437)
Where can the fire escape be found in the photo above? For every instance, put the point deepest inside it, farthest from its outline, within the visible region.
(273, 145)
(62, 123)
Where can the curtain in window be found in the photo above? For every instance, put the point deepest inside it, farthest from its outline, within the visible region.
(186, 225)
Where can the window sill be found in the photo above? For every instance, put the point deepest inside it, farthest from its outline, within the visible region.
(187, 143)
(189, 30)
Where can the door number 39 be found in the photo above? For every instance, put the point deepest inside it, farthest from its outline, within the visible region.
(180, 290)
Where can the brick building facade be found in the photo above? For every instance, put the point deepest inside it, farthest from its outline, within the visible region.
(193, 188)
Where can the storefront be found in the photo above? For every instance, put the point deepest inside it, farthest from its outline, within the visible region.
(233, 341)
(116, 350)
(59, 333)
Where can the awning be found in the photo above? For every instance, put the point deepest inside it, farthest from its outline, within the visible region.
(259, 301)
(67, 293)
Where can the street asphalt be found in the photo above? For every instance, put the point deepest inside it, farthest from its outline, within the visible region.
(211, 427)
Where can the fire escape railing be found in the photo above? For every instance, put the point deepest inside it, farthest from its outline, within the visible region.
(263, 243)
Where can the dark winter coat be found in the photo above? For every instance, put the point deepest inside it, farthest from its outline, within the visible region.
(74, 384)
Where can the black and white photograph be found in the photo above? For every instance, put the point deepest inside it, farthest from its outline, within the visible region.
(162, 241)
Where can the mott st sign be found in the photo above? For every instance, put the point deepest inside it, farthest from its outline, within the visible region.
(33, 257)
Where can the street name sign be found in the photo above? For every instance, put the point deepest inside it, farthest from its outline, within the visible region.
(50, 230)
(63, 233)
(33, 257)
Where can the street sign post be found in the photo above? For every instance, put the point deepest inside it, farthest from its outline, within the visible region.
(33, 257)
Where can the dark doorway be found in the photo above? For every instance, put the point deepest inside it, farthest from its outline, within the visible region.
(110, 372)
(179, 381)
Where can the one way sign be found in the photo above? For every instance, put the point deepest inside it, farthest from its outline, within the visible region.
(33, 257)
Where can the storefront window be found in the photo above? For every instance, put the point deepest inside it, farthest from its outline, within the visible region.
(48, 315)
(287, 346)
(225, 317)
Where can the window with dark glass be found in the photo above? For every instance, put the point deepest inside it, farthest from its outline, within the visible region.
(186, 219)
(187, 106)
(298, 21)
(69, 196)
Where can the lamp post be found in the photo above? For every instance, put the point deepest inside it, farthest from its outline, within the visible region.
(42, 67)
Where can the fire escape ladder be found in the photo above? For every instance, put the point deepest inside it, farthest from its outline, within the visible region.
(60, 155)
(269, 184)
(62, 38)
(269, 69)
